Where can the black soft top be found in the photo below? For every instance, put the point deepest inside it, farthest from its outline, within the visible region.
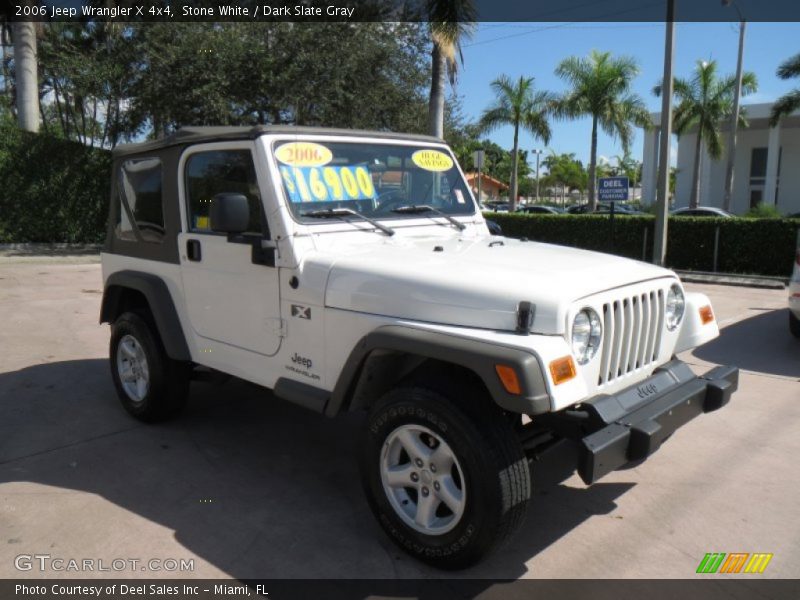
(193, 135)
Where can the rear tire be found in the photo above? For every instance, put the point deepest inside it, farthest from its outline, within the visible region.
(794, 325)
(452, 515)
(151, 386)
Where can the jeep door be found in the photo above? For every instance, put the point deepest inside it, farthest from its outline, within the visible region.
(231, 291)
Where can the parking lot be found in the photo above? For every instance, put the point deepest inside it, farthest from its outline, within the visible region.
(251, 487)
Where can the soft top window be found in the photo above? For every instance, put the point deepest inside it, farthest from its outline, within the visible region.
(141, 215)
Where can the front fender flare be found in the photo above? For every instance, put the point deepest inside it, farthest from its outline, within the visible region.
(478, 356)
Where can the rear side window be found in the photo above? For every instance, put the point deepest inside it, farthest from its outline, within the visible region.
(217, 172)
(140, 216)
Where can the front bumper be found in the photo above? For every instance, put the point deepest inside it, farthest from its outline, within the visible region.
(634, 422)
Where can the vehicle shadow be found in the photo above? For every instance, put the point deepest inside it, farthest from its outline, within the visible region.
(761, 343)
(254, 487)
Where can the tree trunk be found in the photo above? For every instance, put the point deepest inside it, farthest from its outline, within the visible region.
(27, 79)
(593, 167)
(61, 118)
(106, 123)
(514, 166)
(695, 197)
(4, 41)
(94, 122)
(44, 119)
(436, 100)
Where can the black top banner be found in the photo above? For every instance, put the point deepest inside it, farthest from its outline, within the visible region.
(399, 10)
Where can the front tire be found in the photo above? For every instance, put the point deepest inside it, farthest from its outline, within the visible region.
(151, 386)
(794, 325)
(447, 483)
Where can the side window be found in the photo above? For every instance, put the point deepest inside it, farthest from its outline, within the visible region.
(215, 172)
(140, 216)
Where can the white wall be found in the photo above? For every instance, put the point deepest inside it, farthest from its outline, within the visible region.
(789, 191)
(713, 172)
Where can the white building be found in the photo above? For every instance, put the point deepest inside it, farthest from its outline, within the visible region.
(767, 166)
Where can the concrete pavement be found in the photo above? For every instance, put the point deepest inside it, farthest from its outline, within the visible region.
(247, 487)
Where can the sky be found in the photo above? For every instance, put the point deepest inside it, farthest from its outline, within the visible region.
(534, 50)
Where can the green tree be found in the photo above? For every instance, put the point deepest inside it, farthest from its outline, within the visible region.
(111, 82)
(451, 21)
(604, 169)
(789, 102)
(88, 71)
(703, 102)
(564, 171)
(629, 167)
(461, 135)
(5, 58)
(520, 105)
(601, 89)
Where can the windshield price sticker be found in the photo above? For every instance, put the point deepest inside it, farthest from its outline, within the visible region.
(304, 154)
(328, 184)
(432, 160)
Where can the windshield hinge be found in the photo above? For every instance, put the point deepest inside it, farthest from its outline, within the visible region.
(277, 327)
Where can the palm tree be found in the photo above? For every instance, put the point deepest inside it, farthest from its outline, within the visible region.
(790, 102)
(451, 21)
(601, 89)
(5, 41)
(704, 101)
(26, 75)
(518, 104)
(627, 166)
(565, 171)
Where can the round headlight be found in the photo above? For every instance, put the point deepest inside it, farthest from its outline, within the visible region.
(676, 306)
(586, 335)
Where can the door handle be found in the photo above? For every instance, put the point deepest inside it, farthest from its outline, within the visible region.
(193, 251)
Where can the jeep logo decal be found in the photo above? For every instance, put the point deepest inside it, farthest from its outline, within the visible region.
(302, 360)
(646, 390)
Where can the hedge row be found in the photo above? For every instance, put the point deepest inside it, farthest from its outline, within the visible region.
(750, 246)
(51, 190)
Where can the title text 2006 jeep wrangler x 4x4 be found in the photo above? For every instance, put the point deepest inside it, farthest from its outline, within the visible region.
(352, 271)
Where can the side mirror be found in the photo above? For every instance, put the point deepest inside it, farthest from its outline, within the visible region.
(229, 213)
(494, 227)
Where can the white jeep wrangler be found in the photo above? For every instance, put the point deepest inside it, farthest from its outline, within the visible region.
(352, 271)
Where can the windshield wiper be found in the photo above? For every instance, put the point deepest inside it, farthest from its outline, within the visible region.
(421, 208)
(340, 213)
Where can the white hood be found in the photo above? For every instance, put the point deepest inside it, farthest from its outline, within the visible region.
(475, 283)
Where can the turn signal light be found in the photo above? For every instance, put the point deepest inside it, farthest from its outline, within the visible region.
(508, 377)
(562, 369)
(706, 314)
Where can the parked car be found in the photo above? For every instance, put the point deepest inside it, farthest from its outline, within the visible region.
(794, 295)
(498, 206)
(702, 211)
(604, 208)
(273, 255)
(539, 209)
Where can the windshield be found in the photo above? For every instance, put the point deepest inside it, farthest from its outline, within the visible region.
(375, 180)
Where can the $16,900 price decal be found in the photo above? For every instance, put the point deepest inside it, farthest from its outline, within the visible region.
(329, 183)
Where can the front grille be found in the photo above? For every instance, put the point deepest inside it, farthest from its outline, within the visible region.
(632, 334)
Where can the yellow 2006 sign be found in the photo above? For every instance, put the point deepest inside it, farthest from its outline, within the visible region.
(304, 154)
(432, 160)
